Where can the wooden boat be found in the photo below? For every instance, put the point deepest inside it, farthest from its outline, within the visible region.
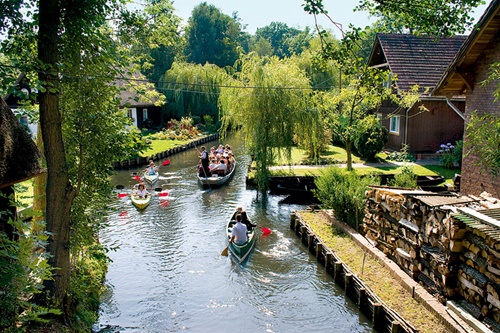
(214, 180)
(240, 252)
(151, 178)
(140, 203)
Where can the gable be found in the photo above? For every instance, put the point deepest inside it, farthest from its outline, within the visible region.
(415, 60)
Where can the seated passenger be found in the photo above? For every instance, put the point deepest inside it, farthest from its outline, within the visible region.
(221, 167)
(244, 217)
(141, 191)
(239, 232)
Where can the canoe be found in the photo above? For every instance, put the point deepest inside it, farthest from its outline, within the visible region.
(240, 252)
(151, 178)
(214, 180)
(140, 203)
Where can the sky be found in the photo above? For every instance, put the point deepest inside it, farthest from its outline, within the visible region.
(260, 13)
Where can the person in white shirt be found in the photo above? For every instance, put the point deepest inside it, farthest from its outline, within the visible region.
(141, 191)
(239, 232)
(221, 167)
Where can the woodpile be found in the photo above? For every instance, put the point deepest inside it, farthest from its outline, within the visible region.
(449, 252)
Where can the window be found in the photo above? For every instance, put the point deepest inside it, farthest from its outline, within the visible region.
(129, 113)
(145, 114)
(394, 126)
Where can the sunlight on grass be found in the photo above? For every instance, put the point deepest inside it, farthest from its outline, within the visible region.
(162, 145)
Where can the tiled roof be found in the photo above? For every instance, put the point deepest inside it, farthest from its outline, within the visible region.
(414, 59)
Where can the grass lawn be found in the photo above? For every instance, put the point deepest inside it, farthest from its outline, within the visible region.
(162, 145)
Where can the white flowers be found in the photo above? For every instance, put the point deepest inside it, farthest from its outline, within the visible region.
(445, 148)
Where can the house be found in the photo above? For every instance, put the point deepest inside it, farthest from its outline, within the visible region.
(466, 76)
(20, 160)
(144, 111)
(418, 60)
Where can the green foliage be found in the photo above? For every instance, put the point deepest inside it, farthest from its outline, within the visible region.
(483, 134)
(267, 111)
(23, 267)
(344, 192)
(87, 285)
(433, 17)
(212, 37)
(371, 138)
(451, 155)
(210, 127)
(283, 40)
(403, 155)
(192, 90)
(405, 178)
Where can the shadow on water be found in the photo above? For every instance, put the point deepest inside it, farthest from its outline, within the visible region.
(168, 275)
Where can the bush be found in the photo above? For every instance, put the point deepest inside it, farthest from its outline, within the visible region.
(344, 192)
(451, 155)
(406, 178)
(371, 138)
(401, 156)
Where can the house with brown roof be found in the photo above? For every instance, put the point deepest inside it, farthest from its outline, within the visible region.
(20, 160)
(466, 76)
(418, 60)
(143, 110)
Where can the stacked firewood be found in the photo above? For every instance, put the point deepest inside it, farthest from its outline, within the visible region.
(425, 241)
(451, 256)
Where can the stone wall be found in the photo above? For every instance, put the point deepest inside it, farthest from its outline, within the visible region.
(482, 99)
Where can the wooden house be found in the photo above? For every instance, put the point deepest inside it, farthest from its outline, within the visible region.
(418, 60)
(467, 76)
(143, 111)
(20, 160)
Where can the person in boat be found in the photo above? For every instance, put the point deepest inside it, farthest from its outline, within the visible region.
(141, 191)
(203, 155)
(141, 182)
(151, 169)
(244, 217)
(239, 232)
(213, 164)
(221, 167)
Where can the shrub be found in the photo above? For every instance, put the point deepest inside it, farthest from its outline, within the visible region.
(451, 155)
(344, 192)
(401, 156)
(371, 138)
(406, 178)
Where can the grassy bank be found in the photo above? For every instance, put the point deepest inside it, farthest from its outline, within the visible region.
(376, 276)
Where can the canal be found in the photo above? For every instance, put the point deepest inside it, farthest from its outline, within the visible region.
(167, 274)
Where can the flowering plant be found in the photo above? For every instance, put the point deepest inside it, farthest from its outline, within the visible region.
(451, 155)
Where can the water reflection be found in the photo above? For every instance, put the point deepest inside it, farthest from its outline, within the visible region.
(167, 273)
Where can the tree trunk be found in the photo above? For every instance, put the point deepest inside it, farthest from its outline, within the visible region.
(349, 154)
(59, 191)
(39, 190)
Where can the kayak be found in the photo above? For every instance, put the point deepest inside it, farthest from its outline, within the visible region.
(240, 252)
(140, 203)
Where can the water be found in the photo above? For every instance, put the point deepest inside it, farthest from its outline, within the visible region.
(167, 273)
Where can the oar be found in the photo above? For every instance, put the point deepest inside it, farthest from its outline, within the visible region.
(137, 178)
(161, 193)
(225, 252)
(166, 162)
(265, 231)
(120, 187)
(122, 195)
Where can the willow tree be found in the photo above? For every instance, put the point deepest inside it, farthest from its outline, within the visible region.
(192, 89)
(268, 100)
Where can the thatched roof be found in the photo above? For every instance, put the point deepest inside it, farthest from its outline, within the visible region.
(20, 159)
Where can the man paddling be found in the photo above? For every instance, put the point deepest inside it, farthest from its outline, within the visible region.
(239, 232)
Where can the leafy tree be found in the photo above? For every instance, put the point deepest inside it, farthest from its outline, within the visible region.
(268, 101)
(212, 37)
(284, 40)
(152, 34)
(483, 140)
(371, 137)
(432, 17)
(192, 89)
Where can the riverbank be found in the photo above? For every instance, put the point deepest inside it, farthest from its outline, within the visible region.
(396, 289)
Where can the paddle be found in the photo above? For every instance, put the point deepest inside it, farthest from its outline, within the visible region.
(137, 177)
(265, 231)
(122, 195)
(225, 252)
(120, 187)
(166, 162)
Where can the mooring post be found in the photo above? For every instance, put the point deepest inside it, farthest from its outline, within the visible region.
(347, 282)
(377, 315)
(395, 327)
(292, 220)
